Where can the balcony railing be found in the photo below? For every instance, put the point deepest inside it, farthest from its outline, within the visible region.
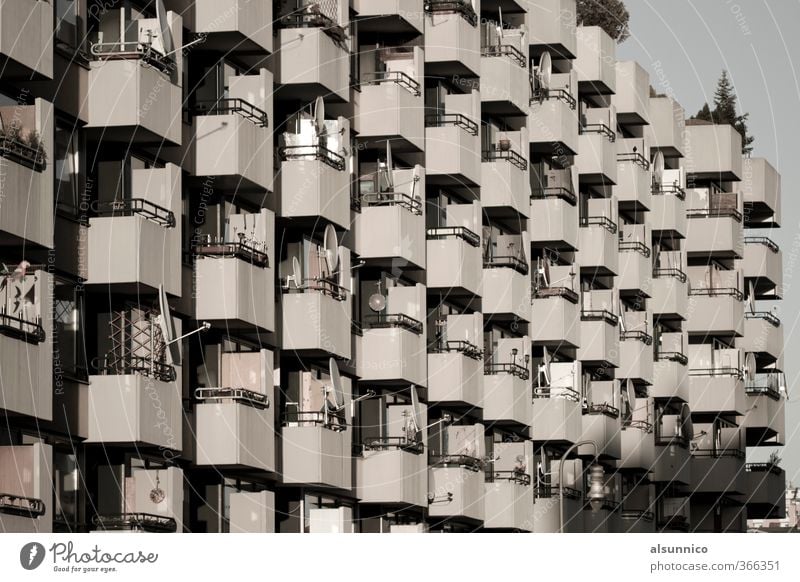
(135, 206)
(766, 390)
(636, 158)
(471, 463)
(552, 491)
(331, 420)
(22, 329)
(672, 357)
(554, 192)
(674, 272)
(637, 335)
(457, 119)
(634, 246)
(603, 221)
(600, 128)
(143, 51)
(539, 94)
(556, 392)
(669, 189)
(641, 425)
(603, 408)
(714, 213)
(519, 477)
(147, 522)
(239, 395)
(508, 155)
(413, 205)
(462, 7)
(386, 320)
(313, 15)
(599, 315)
(763, 468)
(565, 292)
(312, 152)
(462, 232)
(717, 454)
(393, 443)
(398, 77)
(238, 250)
(717, 372)
(506, 262)
(637, 515)
(505, 50)
(326, 287)
(13, 148)
(129, 364)
(11, 504)
(235, 105)
(717, 292)
(662, 440)
(767, 316)
(507, 368)
(469, 349)
(762, 240)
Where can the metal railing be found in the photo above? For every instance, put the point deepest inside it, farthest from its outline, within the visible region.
(385, 320)
(600, 128)
(142, 365)
(669, 189)
(717, 292)
(672, 357)
(603, 408)
(22, 329)
(636, 158)
(462, 232)
(603, 221)
(393, 443)
(331, 420)
(312, 152)
(599, 315)
(462, 7)
(550, 491)
(716, 372)
(23, 506)
(469, 349)
(717, 454)
(506, 262)
(557, 392)
(147, 522)
(413, 205)
(507, 368)
(509, 155)
(471, 463)
(547, 292)
(564, 95)
(641, 425)
(767, 316)
(634, 246)
(674, 272)
(505, 50)
(135, 206)
(235, 105)
(756, 390)
(398, 77)
(457, 119)
(637, 335)
(554, 192)
(20, 152)
(240, 395)
(714, 213)
(326, 287)
(236, 250)
(764, 468)
(511, 476)
(143, 51)
(762, 240)
(637, 514)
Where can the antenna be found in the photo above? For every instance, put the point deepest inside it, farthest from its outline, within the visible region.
(331, 248)
(167, 325)
(658, 170)
(414, 179)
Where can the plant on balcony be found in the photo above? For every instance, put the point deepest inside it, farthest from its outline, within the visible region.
(725, 105)
(610, 15)
(17, 145)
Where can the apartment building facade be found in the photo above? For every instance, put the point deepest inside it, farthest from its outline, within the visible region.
(373, 266)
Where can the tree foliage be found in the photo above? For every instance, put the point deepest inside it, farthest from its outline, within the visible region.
(610, 15)
(725, 111)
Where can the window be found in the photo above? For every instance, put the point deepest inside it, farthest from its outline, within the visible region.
(67, 170)
(69, 350)
(66, 25)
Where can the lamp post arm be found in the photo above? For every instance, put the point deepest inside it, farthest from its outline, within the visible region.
(561, 479)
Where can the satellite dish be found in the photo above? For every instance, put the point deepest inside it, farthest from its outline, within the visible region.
(336, 391)
(623, 328)
(377, 302)
(782, 386)
(687, 427)
(658, 169)
(389, 166)
(297, 276)
(544, 369)
(545, 70)
(331, 248)
(319, 116)
(750, 367)
(751, 297)
(167, 325)
(166, 33)
(416, 411)
(630, 391)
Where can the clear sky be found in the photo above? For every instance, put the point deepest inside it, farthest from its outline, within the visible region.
(685, 44)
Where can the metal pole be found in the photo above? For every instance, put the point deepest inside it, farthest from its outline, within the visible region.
(561, 479)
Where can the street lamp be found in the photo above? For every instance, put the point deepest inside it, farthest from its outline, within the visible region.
(596, 488)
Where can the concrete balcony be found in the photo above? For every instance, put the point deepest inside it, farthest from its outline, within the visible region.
(505, 89)
(26, 190)
(506, 289)
(669, 294)
(763, 266)
(637, 521)
(601, 424)
(555, 313)
(632, 97)
(634, 188)
(765, 491)
(716, 391)
(713, 152)
(232, 137)
(718, 472)
(667, 217)
(637, 447)
(314, 185)
(597, 156)
(764, 423)
(761, 194)
(234, 423)
(455, 261)
(507, 395)
(553, 122)
(714, 233)
(26, 488)
(635, 268)
(246, 27)
(670, 377)
(391, 107)
(507, 191)
(763, 336)
(391, 475)
(452, 147)
(599, 338)
(317, 321)
(390, 15)
(32, 21)
(546, 505)
(135, 243)
(452, 40)
(508, 501)
(316, 454)
(715, 311)
(392, 349)
(551, 26)
(26, 345)
(597, 74)
(553, 219)
(312, 61)
(636, 355)
(672, 462)
(667, 126)
(674, 514)
(599, 246)
(135, 409)
(456, 489)
(556, 420)
(455, 376)
(252, 512)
